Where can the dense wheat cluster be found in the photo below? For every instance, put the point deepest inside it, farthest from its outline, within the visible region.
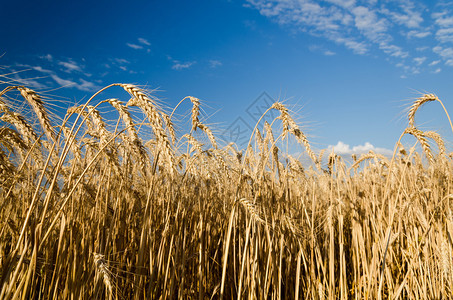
(94, 210)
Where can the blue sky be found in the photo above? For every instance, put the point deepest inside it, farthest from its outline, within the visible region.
(347, 68)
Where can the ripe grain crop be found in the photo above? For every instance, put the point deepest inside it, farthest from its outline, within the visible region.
(133, 209)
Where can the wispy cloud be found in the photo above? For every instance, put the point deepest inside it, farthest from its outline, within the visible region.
(445, 53)
(70, 66)
(121, 61)
(362, 27)
(418, 34)
(61, 81)
(142, 44)
(214, 63)
(344, 149)
(134, 46)
(444, 35)
(42, 70)
(81, 84)
(443, 19)
(420, 60)
(86, 86)
(47, 57)
(409, 16)
(350, 43)
(181, 66)
(320, 49)
(144, 41)
(16, 78)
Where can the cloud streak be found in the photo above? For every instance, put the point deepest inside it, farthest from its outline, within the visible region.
(134, 46)
(181, 66)
(367, 27)
(68, 66)
(142, 44)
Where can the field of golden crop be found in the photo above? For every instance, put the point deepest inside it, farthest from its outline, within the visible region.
(91, 209)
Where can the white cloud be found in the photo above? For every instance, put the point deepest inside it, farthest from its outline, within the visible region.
(409, 17)
(442, 19)
(343, 3)
(356, 47)
(121, 61)
(86, 86)
(420, 60)
(418, 34)
(445, 35)
(419, 49)
(437, 70)
(16, 78)
(356, 27)
(213, 63)
(320, 49)
(144, 41)
(47, 57)
(134, 46)
(180, 66)
(61, 81)
(433, 63)
(83, 85)
(344, 149)
(70, 66)
(369, 24)
(393, 50)
(42, 70)
(445, 53)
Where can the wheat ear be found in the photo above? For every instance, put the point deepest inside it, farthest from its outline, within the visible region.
(420, 136)
(150, 107)
(290, 126)
(438, 139)
(103, 269)
(38, 106)
(417, 104)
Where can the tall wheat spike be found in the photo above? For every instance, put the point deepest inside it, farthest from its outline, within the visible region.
(417, 104)
(38, 106)
(420, 136)
(150, 107)
(103, 269)
(290, 126)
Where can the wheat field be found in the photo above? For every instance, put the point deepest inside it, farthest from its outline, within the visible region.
(92, 208)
